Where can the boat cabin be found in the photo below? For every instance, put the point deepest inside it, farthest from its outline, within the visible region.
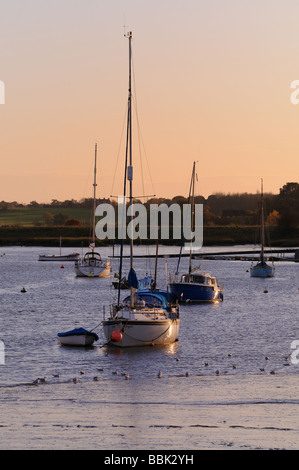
(203, 279)
(92, 258)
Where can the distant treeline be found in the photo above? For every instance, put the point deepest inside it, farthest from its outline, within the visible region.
(80, 236)
(281, 210)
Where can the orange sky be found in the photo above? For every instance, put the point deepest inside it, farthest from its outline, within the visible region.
(212, 84)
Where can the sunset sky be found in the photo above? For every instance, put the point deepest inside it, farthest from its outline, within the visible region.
(212, 84)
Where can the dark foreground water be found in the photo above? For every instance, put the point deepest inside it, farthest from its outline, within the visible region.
(252, 404)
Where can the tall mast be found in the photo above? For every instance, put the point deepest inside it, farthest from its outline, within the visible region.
(130, 169)
(128, 172)
(94, 197)
(192, 216)
(191, 191)
(262, 222)
(129, 153)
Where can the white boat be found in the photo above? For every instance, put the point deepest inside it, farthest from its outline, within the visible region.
(92, 264)
(262, 269)
(60, 257)
(70, 257)
(77, 337)
(142, 319)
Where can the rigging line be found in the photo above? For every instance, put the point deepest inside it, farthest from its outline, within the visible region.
(139, 146)
(137, 121)
(124, 195)
(87, 180)
(148, 167)
(140, 142)
(184, 221)
(119, 148)
(100, 324)
(140, 138)
(146, 341)
(89, 220)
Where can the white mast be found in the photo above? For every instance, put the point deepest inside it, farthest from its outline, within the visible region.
(130, 167)
(262, 222)
(129, 151)
(94, 198)
(192, 216)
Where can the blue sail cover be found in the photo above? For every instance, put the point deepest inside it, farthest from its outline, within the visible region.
(78, 331)
(145, 282)
(152, 299)
(132, 279)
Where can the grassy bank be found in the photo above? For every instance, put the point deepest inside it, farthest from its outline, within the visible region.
(80, 236)
(36, 215)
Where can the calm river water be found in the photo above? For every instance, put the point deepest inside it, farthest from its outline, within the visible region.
(252, 404)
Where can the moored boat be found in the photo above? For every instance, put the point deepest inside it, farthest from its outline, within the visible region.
(92, 264)
(192, 286)
(70, 257)
(77, 337)
(262, 269)
(149, 321)
(200, 287)
(120, 283)
(60, 257)
(143, 318)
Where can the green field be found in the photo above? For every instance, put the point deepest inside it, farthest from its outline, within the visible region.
(26, 226)
(36, 215)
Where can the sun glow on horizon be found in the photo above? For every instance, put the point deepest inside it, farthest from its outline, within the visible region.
(212, 84)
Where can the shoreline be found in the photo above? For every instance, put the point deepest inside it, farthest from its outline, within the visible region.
(73, 236)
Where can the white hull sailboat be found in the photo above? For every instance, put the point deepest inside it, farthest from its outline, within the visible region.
(70, 257)
(262, 269)
(92, 264)
(147, 323)
(142, 319)
(60, 257)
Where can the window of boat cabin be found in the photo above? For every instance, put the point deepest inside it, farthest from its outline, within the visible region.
(198, 278)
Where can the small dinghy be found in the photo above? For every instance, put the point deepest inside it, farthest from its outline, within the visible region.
(77, 337)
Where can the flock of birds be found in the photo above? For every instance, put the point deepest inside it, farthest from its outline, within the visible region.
(43, 380)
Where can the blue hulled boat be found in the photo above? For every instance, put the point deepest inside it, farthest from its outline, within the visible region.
(262, 269)
(200, 287)
(192, 286)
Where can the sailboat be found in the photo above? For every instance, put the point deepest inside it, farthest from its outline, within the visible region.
(92, 265)
(195, 286)
(152, 286)
(262, 269)
(60, 257)
(142, 318)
